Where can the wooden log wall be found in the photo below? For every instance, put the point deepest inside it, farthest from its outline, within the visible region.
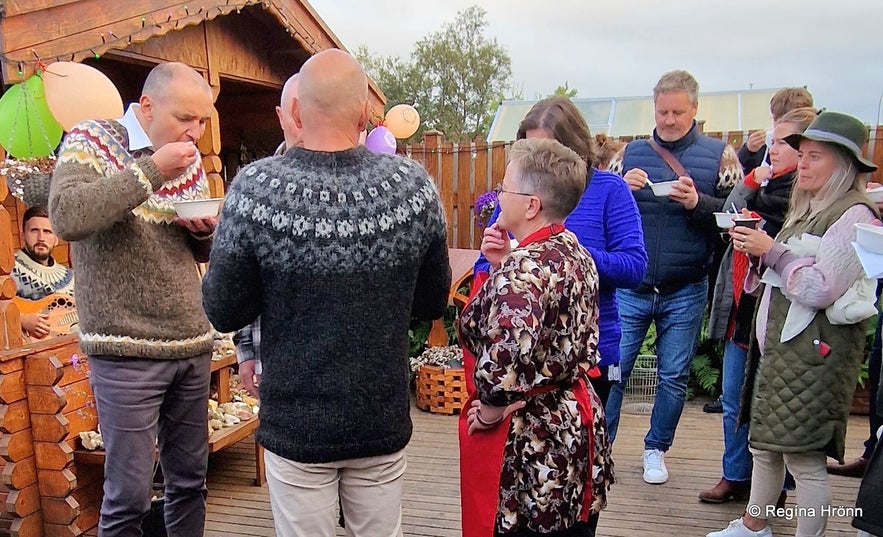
(20, 513)
(62, 405)
(465, 171)
(45, 402)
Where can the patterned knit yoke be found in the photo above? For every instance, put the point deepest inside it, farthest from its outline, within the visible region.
(112, 139)
(34, 280)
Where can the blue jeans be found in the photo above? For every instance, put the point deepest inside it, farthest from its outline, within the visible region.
(678, 319)
(737, 459)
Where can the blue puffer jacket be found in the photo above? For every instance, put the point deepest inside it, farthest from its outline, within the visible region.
(679, 242)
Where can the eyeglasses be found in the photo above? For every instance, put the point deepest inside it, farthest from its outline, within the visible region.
(499, 190)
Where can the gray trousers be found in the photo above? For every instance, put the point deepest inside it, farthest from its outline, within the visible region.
(142, 403)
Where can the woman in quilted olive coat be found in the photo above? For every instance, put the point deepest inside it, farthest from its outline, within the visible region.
(809, 331)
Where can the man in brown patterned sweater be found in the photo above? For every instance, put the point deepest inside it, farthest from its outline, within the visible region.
(138, 294)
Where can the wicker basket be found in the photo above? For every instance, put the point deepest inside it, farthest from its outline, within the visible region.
(441, 390)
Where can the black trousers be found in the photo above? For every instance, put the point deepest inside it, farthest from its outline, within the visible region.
(875, 420)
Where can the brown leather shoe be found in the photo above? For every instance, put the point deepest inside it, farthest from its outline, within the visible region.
(726, 491)
(854, 468)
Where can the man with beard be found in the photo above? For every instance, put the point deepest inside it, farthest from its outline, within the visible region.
(36, 273)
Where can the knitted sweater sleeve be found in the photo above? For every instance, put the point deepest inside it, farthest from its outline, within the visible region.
(232, 295)
(434, 278)
(622, 263)
(84, 200)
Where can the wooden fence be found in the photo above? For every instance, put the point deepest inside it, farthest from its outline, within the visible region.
(465, 171)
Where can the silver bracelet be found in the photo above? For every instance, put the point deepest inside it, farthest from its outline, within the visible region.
(485, 423)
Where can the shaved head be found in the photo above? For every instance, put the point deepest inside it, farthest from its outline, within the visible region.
(160, 79)
(333, 91)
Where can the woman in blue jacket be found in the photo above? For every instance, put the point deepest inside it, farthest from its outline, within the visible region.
(606, 222)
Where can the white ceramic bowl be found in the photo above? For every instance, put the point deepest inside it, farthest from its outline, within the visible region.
(724, 220)
(876, 195)
(662, 190)
(198, 208)
(869, 237)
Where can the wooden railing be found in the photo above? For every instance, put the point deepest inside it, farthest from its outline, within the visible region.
(465, 171)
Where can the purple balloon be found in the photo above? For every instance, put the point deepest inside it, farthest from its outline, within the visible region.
(380, 140)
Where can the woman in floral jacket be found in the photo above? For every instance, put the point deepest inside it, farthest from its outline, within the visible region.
(533, 327)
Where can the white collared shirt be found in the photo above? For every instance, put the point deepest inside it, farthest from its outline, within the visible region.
(138, 139)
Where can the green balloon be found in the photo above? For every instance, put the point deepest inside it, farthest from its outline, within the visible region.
(27, 128)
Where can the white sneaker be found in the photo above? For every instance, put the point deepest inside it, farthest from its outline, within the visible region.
(655, 471)
(738, 529)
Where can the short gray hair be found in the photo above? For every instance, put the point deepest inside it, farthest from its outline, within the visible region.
(677, 80)
(157, 84)
(552, 171)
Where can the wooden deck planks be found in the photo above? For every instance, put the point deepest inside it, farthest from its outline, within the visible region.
(431, 507)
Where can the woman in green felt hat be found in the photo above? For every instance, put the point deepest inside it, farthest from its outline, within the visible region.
(808, 341)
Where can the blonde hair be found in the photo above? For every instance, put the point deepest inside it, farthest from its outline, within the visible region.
(552, 171)
(844, 178)
(800, 118)
(677, 80)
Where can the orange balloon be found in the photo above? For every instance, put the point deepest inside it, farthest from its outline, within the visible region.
(402, 120)
(76, 92)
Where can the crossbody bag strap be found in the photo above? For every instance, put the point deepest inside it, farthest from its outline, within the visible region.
(669, 159)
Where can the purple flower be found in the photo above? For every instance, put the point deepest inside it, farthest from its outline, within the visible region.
(484, 207)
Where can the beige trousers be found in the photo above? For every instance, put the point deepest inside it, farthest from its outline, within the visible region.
(304, 497)
(813, 495)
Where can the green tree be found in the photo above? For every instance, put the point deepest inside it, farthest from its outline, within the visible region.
(456, 77)
(565, 90)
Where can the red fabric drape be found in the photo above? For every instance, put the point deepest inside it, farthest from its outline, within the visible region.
(481, 457)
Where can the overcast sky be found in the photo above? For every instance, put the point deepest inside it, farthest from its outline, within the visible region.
(619, 48)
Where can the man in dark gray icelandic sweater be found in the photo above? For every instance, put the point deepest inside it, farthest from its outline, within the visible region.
(335, 247)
